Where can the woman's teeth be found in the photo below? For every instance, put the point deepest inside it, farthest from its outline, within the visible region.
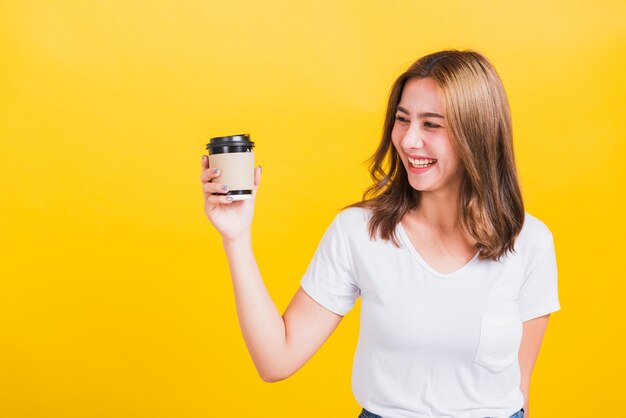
(422, 162)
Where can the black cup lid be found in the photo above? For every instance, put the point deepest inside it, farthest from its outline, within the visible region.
(241, 140)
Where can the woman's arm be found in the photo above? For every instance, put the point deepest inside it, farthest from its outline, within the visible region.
(279, 346)
(533, 332)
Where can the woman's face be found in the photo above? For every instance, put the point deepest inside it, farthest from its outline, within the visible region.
(421, 137)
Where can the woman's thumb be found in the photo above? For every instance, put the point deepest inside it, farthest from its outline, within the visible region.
(257, 178)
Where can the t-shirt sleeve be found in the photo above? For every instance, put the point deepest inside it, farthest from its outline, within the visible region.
(539, 290)
(330, 276)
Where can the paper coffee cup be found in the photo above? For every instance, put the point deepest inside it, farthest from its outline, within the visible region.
(234, 157)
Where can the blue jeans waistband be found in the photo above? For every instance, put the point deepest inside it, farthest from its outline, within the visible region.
(367, 414)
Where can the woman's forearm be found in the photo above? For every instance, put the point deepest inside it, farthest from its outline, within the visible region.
(261, 323)
(525, 391)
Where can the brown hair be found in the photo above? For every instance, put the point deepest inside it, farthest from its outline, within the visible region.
(491, 210)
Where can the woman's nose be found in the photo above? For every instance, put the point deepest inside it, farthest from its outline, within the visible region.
(412, 138)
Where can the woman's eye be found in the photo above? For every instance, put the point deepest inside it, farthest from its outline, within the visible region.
(431, 125)
(401, 119)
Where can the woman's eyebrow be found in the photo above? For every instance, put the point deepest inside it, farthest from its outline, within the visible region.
(431, 115)
(403, 110)
(421, 115)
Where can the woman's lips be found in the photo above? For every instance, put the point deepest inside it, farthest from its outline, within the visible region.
(420, 170)
(420, 164)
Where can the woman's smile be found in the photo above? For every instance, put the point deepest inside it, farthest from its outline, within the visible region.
(419, 165)
(422, 162)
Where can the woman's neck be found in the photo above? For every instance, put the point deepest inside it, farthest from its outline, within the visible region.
(439, 210)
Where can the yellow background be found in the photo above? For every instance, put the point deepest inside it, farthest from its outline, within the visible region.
(115, 298)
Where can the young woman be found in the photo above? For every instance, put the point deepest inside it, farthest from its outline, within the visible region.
(456, 280)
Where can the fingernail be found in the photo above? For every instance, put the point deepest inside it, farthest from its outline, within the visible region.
(224, 187)
(216, 171)
(203, 158)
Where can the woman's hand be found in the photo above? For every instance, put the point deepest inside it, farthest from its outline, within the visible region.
(232, 219)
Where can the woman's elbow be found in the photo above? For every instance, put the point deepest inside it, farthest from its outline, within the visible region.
(270, 378)
(273, 376)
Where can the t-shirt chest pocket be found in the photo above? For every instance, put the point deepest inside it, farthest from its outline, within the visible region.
(500, 332)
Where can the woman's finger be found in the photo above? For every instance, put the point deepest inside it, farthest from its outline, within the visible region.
(214, 188)
(209, 174)
(219, 200)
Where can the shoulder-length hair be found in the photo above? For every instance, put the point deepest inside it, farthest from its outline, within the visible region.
(477, 112)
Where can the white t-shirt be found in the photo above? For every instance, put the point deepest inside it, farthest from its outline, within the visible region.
(432, 344)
